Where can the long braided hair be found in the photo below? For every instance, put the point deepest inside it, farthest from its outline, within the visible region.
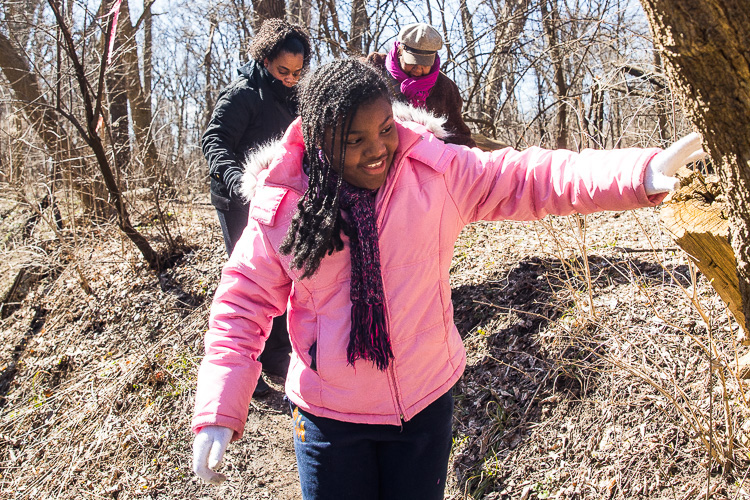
(329, 97)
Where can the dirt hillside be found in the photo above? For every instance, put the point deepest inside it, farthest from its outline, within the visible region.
(601, 365)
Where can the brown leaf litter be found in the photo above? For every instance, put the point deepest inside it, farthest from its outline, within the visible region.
(604, 376)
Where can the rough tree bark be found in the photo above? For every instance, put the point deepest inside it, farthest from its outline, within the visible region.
(138, 95)
(696, 216)
(267, 9)
(551, 22)
(358, 43)
(705, 46)
(117, 94)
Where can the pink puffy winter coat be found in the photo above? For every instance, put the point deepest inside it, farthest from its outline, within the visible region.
(432, 191)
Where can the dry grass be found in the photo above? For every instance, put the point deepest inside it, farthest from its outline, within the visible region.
(609, 376)
(626, 385)
(100, 384)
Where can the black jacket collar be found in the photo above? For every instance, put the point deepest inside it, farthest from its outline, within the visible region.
(259, 76)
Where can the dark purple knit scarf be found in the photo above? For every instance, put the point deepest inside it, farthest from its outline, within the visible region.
(368, 338)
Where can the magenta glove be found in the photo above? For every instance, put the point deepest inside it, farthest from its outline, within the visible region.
(662, 167)
(208, 449)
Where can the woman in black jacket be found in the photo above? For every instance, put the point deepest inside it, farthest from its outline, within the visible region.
(253, 109)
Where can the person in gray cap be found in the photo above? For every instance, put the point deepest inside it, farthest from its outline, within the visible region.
(412, 68)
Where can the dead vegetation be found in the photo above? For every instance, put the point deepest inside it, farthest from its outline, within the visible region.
(601, 365)
(613, 379)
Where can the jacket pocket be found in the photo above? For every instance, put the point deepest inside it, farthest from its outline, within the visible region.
(220, 202)
(313, 352)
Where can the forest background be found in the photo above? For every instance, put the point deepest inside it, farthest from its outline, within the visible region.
(111, 254)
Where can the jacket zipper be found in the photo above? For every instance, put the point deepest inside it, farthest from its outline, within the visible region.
(379, 221)
(392, 373)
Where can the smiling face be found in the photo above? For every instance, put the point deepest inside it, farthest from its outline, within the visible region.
(370, 145)
(286, 67)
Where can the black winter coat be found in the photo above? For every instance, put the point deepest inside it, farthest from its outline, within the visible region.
(253, 109)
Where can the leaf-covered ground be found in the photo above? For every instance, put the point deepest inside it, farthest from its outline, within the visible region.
(601, 365)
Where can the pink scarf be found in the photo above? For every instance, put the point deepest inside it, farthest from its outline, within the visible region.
(415, 89)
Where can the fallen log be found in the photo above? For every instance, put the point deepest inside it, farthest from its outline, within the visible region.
(487, 143)
(696, 216)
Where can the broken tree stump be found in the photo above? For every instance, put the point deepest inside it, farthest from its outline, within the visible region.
(697, 217)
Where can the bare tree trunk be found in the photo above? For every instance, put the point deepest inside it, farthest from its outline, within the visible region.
(139, 96)
(118, 115)
(18, 16)
(299, 12)
(594, 121)
(208, 71)
(90, 133)
(661, 108)
(357, 42)
(117, 93)
(551, 21)
(242, 18)
(514, 14)
(327, 9)
(706, 49)
(267, 9)
(148, 66)
(468, 27)
(444, 26)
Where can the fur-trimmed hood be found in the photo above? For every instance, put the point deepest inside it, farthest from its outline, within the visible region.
(261, 158)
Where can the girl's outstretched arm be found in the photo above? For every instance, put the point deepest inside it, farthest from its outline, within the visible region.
(535, 182)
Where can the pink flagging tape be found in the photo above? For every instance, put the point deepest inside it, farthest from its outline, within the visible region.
(115, 13)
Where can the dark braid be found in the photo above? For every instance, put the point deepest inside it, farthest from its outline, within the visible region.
(329, 98)
(275, 36)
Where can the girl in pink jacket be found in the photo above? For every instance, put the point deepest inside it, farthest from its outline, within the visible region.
(351, 229)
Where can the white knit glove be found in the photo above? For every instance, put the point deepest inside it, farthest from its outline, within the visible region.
(208, 449)
(662, 167)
